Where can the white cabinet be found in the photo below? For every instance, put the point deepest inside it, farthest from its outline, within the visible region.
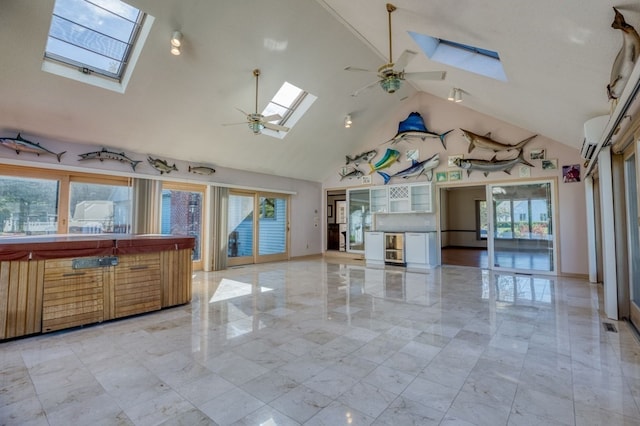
(421, 198)
(374, 247)
(379, 200)
(420, 250)
(399, 198)
(402, 198)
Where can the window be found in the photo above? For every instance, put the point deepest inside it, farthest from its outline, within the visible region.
(291, 103)
(95, 41)
(463, 56)
(97, 208)
(38, 201)
(28, 206)
(267, 208)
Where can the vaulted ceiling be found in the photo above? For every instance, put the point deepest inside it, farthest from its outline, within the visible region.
(557, 57)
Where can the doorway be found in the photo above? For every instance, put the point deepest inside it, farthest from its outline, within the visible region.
(522, 227)
(257, 228)
(336, 220)
(464, 226)
(499, 226)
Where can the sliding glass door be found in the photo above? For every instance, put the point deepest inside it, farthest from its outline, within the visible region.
(257, 228)
(522, 236)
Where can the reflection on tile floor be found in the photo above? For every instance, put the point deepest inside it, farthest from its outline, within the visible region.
(322, 343)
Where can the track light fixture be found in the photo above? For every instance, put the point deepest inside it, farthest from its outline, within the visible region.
(347, 121)
(176, 42)
(455, 95)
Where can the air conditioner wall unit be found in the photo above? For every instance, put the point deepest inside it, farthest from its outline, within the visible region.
(593, 129)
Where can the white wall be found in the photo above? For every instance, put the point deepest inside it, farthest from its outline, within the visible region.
(306, 196)
(441, 115)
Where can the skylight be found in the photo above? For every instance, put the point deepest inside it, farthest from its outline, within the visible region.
(291, 103)
(95, 38)
(463, 56)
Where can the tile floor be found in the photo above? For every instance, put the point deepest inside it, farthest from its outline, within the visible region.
(318, 342)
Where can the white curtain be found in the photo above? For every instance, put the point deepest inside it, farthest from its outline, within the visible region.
(147, 198)
(218, 235)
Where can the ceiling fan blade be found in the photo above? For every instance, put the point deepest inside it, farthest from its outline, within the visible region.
(272, 117)
(425, 75)
(404, 59)
(276, 127)
(368, 86)
(233, 124)
(358, 69)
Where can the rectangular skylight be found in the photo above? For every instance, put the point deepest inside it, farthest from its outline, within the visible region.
(463, 56)
(290, 102)
(95, 37)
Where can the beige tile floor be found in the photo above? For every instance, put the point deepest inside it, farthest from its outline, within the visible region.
(325, 343)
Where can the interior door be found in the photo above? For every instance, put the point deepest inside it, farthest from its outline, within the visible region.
(522, 230)
(359, 219)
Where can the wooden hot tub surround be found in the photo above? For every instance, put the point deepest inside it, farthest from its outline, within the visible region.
(54, 282)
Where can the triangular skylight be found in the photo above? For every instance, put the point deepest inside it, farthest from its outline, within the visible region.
(95, 41)
(291, 103)
(463, 56)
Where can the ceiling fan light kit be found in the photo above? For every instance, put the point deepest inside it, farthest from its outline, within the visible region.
(258, 122)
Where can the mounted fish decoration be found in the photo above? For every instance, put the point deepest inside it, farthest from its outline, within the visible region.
(626, 58)
(161, 165)
(491, 166)
(416, 169)
(350, 174)
(413, 127)
(105, 154)
(201, 170)
(390, 157)
(20, 144)
(477, 141)
(362, 157)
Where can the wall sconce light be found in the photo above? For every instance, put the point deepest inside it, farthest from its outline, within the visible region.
(176, 42)
(347, 121)
(455, 95)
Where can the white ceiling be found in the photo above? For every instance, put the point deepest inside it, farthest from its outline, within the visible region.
(557, 57)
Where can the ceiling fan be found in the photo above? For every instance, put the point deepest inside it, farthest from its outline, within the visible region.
(391, 75)
(256, 121)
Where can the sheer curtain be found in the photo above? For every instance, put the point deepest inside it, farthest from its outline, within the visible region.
(147, 196)
(218, 236)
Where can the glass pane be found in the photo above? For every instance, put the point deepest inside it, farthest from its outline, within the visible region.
(359, 218)
(523, 233)
(96, 34)
(96, 208)
(28, 206)
(182, 215)
(240, 226)
(272, 228)
(634, 235)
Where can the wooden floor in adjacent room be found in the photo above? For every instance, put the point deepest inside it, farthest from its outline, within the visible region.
(463, 256)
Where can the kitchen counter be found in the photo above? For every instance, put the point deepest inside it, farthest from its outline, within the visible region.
(419, 249)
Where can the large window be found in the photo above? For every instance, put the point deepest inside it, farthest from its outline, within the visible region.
(97, 208)
(182, 213)
(28, 206)
(37, 201)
